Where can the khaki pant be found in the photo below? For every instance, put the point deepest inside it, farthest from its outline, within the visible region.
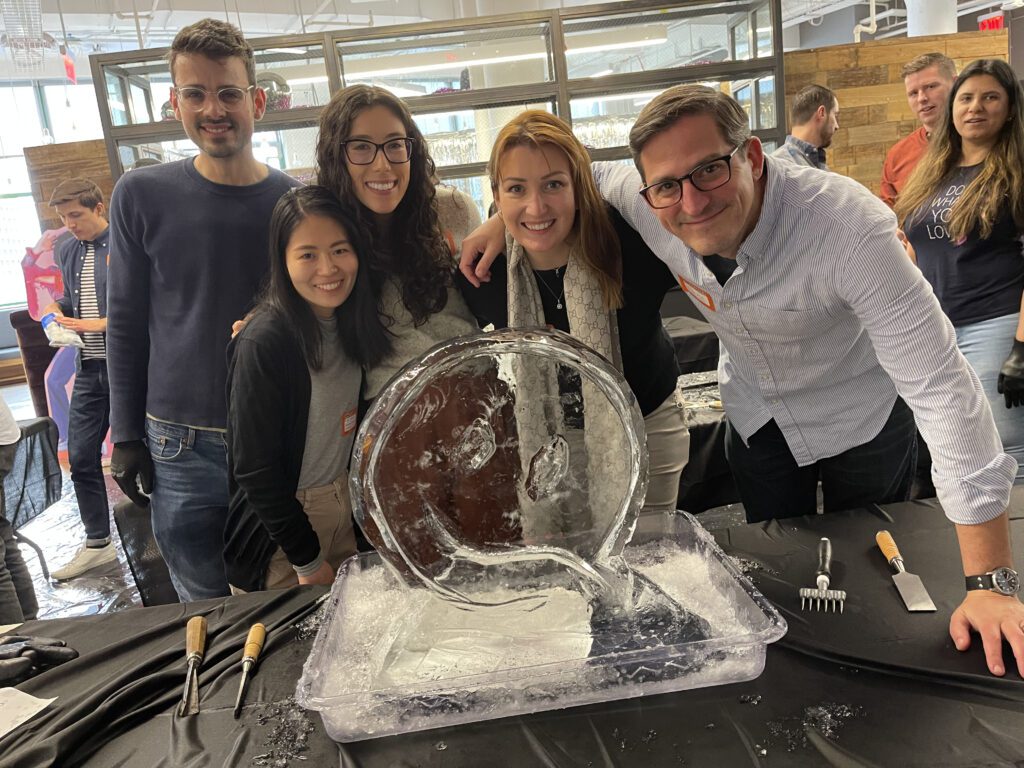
(330, 513)
(668, 449)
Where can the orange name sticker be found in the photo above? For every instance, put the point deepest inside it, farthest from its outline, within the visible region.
(697, 293)
(348, 422)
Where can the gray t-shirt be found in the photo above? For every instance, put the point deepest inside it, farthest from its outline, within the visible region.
(333, 407)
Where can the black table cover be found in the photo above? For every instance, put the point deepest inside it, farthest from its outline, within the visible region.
(875, 686)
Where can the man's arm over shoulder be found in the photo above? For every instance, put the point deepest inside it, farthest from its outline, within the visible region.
(128, 281)
(457, 215)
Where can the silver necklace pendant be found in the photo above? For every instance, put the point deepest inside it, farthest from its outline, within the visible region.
(559, 304)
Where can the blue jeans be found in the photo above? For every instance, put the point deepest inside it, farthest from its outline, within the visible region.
(88, 421)
(771, 485)
(189, 506)
(986, 346)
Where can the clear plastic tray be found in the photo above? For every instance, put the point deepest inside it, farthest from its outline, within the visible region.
(362, 689)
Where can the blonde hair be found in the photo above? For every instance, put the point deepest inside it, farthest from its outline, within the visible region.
(996, 188)
(598, 242)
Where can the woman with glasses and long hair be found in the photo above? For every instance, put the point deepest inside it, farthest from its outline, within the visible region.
(371, 154)
(963, 213)
(572, 263)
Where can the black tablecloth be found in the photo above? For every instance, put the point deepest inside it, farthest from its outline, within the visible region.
(695, 343)
(875, 686)
(34, 482)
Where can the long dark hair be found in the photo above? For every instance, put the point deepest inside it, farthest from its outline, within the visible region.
(362, 334)
(998, 187)
(419, 259)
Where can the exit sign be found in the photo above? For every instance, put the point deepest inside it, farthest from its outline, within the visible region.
(991, 21)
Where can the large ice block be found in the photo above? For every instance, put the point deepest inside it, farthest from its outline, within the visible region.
(393, 659)
(500, 478)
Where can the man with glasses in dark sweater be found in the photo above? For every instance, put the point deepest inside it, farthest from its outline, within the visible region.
(187, 255)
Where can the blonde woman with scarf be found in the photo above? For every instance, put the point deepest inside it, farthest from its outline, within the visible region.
(573, 264)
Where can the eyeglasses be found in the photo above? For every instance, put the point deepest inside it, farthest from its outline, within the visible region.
(705, 177)
(363, 152)
(230, 97)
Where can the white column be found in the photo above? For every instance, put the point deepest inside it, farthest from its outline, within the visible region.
(931, 17)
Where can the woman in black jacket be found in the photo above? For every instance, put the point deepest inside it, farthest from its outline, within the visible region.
(294, 376)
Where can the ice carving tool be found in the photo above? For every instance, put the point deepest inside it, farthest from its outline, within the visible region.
(910, 587)
(815, 597)
(195, 647)
(253, 646)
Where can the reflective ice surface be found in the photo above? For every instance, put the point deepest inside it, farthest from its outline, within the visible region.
(500, 478)
(498, 453)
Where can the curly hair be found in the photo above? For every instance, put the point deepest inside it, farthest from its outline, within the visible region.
(599, 244)
(997, 188)
(419, 260)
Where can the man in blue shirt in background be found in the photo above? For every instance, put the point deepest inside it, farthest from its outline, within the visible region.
(814, 119)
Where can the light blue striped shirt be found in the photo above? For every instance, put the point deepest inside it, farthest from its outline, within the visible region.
(824, 320)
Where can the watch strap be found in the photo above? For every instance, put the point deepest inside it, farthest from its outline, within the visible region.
(981, 581)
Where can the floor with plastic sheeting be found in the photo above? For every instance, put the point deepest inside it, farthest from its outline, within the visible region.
(59, 533)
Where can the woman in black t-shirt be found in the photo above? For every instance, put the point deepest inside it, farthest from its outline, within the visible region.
(573, 264)
(963, 213)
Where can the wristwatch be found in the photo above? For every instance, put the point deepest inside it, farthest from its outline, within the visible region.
(1002, 581)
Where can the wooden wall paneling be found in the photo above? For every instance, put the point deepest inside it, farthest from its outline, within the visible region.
(873, 109)
(51, 164)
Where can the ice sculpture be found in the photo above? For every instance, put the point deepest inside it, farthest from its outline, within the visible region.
(500, 478)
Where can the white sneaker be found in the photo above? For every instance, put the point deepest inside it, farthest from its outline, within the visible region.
(85, 559)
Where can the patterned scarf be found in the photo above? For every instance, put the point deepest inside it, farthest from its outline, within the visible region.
(589, 321)
(596, 327)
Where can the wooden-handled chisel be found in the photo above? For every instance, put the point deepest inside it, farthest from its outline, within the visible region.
(251, 652)
(910, 587)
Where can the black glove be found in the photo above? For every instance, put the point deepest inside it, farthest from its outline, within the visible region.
(14, 671)
(131, 466)
(1011, 376)
(22, 656)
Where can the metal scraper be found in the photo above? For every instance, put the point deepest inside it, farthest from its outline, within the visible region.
(914, 595)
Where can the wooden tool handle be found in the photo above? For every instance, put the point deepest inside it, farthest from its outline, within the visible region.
(887, 545)
(195, 637)
(254, 642)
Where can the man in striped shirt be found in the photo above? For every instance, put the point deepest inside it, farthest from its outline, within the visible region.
(83, 309)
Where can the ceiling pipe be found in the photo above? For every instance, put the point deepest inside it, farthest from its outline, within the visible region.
(872, 22)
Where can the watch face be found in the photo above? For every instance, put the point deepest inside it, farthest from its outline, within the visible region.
(1006, 580)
